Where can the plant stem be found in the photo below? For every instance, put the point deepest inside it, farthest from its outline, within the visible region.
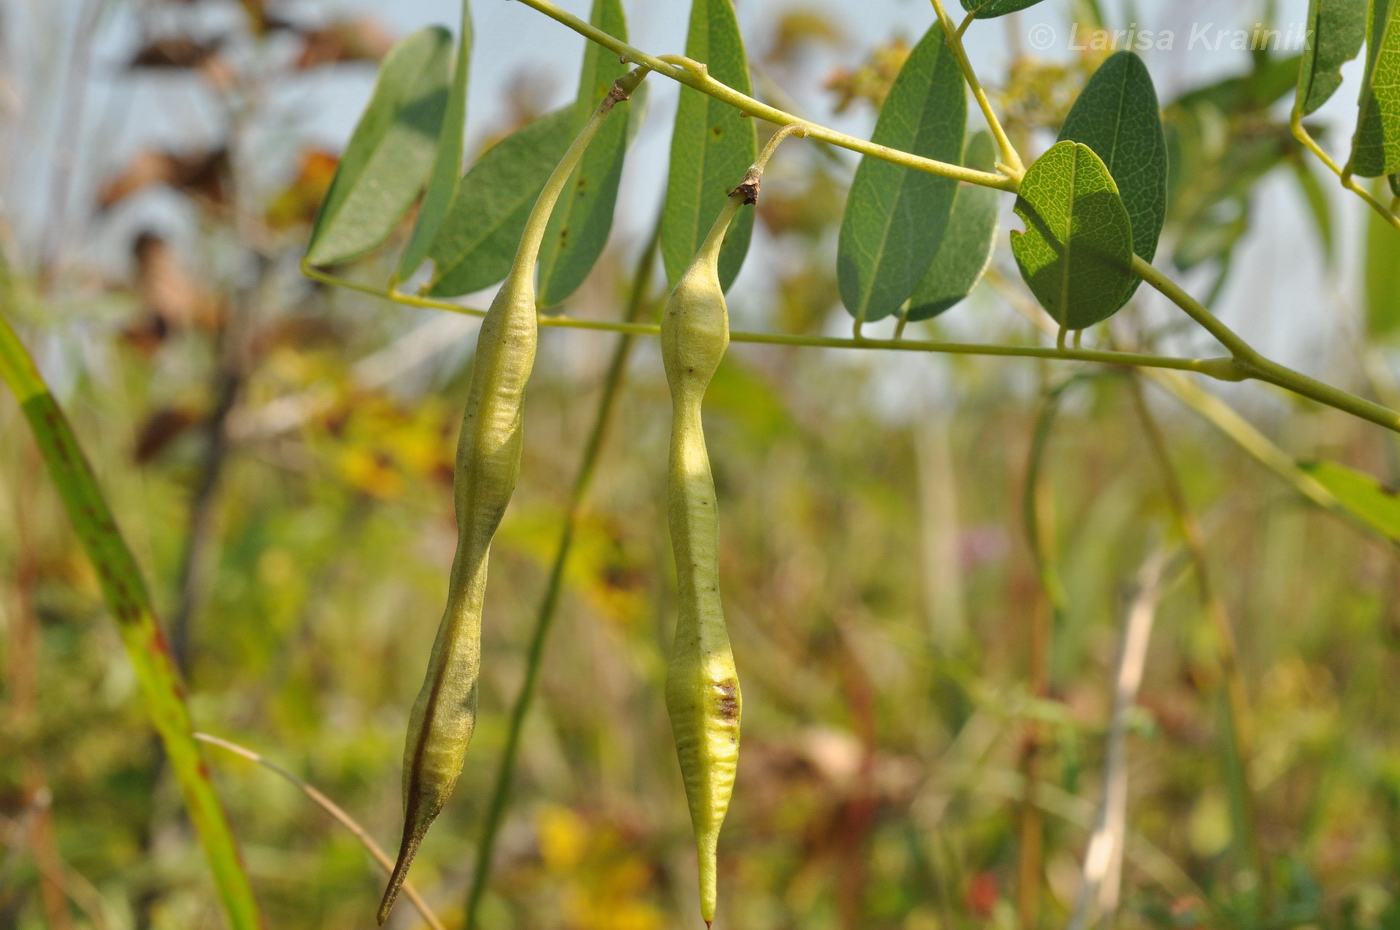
(1032, 822)
(1047, 616)
(953, 36)
(1223, 369)
(125, 592)
(337, 813)
(1102, 874)
(700, 80)
(1250, 364)
(544, 618)
(1301, 133)
(1237, 713)
(193, 558)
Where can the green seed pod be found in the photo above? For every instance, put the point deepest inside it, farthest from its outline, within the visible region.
(702, 685)
(488, 462)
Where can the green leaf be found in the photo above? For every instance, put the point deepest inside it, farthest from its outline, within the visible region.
(712, 146)
(390, 152)
(1077, 248)
(987, 9)
(1116, 115)
(1318, 204)
(582, 218)
(966, 249)
(895, 216)
(1375, 148)
(447, 165)
(1335, 31)
(476, 243)
(1375, 504)
(1382, 275)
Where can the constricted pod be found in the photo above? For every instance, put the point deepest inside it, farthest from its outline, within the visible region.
(488, 462)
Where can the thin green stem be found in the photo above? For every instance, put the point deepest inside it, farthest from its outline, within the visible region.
(1223, 369)
(953, 36)
(337, 814)
(544, 618)
(126, 594)
(1237, 713)
(698, 77)
(1241, 350)
(1298, 383)
(1258, 446)
(967, 21)
(1301, 133)
(1250, 364)
(1035, 501)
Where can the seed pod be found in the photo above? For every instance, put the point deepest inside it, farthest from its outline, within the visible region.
(702, 685)
(488, 462)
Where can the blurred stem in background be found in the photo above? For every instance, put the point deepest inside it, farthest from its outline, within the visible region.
(1048, 615)
(1239, 747)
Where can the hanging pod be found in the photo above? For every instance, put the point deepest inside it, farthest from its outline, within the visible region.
(702, 683)
(488, 462)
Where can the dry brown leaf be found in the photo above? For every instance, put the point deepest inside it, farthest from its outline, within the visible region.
(359, 39)
(169, 292)
(161, 429)
(200, 174)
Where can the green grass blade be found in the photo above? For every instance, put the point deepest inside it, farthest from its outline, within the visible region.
(966, 249)
(1375, 148)
(1337, 29)
(447, 164)
(1077, 248)
(125, 592)
(895, 216)
(1373, 503)
(476, 242)
(390, 152)
(712, 146)
(1117, 116)
(582, 219)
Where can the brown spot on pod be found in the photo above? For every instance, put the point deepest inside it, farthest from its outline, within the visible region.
(728, 698)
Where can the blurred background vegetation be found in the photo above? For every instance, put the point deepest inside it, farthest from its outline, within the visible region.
(280, 458)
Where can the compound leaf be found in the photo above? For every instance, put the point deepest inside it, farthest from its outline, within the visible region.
(896, 216)
(966, 249)
(1077, 248)
(390, 151)
(1116, 115)
(476, 242)
(712, 146)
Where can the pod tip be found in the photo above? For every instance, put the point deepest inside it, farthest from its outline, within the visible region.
(400, 873)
